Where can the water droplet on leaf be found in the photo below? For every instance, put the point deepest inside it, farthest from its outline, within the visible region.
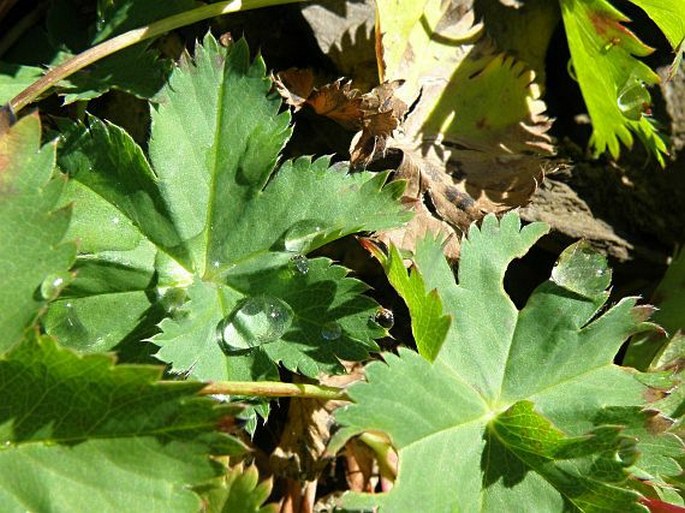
(300, 235)
(331, 331)
(633, 99)
(384, 318)
(53, 284)
(571, 70)
(627, 453)
(300, 264)
(71, 325)
(256, 321)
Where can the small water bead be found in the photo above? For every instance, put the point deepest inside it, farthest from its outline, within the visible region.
(384, 318)
(300, 235)
(53, 284)
(300, 264)
(571, 70)
(256, 321)
(331, 331)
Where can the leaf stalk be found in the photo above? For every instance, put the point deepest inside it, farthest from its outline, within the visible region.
(275, 389)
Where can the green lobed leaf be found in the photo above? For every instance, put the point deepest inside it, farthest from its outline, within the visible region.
(581, 468)
(211, 219)
(429, 324)
(517, 412)
(660, 351)
(14, 78)
(32, 229)
(617, 99)
(668, 16)
(240, 492)
(80, 434)
(125, 238)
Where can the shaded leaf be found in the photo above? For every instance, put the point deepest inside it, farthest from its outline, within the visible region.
(139, 70)
(344, 32)
(14, 78)
(647, 350)
(120, 441)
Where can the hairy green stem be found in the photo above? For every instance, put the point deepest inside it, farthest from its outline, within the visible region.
(275, 389)
(132, 37)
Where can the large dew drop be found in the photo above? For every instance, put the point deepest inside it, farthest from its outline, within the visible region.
(299, 237)
(256, 321)
(633, 100)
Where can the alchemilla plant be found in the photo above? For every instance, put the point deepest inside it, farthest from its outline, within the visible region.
(168, 282)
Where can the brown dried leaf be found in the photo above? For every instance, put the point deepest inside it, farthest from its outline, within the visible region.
(417, 195)
(339, 102)
(295, 86)
(382, 114)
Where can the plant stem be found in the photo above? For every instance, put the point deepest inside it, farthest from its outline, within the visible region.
(275, 389)
(385, 453)
(132, 37)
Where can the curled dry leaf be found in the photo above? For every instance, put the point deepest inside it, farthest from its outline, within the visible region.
(382, 114)
(376, 113)
(470, 159)
(337, 100)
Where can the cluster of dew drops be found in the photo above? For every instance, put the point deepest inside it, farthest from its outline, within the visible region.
(263, 319)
